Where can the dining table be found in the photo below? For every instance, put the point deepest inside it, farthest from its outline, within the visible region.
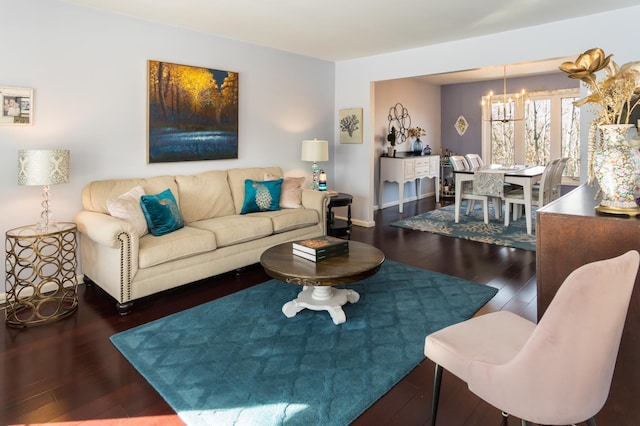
(515, 174)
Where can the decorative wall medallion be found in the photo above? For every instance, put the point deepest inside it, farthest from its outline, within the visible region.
(461, 125)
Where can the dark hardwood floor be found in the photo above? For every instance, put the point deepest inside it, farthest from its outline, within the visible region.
(68, 371)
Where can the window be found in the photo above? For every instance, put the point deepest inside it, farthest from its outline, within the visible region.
(550, 128)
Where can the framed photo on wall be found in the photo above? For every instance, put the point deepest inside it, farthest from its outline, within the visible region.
(17, 105)
(192, 113)
(350, 125)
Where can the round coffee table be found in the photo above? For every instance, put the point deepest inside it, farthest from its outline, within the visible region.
(318, 278)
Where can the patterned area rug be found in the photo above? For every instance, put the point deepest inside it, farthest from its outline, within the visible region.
(472, 227)
(238, 360)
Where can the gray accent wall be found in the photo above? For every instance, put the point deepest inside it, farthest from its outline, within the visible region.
(465, 99)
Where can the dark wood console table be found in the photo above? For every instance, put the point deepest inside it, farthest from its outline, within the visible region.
(571, 234)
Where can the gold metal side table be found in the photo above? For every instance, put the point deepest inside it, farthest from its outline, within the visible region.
(41, 284)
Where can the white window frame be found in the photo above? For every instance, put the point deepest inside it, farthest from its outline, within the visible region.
(555, 127)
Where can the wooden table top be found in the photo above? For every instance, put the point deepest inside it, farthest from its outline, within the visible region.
(361, 262)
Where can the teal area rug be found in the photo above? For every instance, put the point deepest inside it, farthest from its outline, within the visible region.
(472, 227)
(238, 360)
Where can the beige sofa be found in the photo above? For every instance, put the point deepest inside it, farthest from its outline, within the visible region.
(215, 239)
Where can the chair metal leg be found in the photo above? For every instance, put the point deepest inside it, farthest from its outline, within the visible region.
(437, 380)
(591, 421)
(526, 423)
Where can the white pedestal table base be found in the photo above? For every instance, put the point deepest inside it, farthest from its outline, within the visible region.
(322, 298)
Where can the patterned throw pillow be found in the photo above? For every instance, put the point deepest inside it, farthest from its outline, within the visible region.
(261, 196)
(161, 212)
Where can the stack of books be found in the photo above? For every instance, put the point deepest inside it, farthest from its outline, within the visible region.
(316, 249)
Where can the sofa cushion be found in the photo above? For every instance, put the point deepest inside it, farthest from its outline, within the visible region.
(182, 243)
(291, 194)
(127, 207)
(95, 194)
(261, 196)
(288, 219)
(236, 229)
(204, 195)
(237, 177)
(161, 212)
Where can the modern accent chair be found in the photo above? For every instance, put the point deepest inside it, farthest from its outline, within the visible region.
(557, 372)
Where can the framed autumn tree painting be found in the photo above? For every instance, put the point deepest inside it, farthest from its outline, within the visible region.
(192, 113)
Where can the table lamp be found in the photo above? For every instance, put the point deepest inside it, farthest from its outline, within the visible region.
(43, 167)
(315, 150)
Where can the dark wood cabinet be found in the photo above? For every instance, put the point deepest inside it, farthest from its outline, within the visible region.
(569, 234)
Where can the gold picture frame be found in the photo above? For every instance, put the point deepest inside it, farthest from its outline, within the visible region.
(350, 125)
(17, 106)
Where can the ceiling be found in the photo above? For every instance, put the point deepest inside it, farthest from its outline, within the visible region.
(337, 30)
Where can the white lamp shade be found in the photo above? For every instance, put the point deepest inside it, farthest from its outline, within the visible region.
(315, 150)
(43, 167)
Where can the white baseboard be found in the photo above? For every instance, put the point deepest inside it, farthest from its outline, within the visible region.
(397, 202)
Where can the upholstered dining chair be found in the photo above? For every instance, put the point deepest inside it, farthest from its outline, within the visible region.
(475, 161)
(557, 372)
(542, 194)
(556, 180)
(458, 162)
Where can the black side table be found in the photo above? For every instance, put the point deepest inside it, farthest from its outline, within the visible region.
(339, 227)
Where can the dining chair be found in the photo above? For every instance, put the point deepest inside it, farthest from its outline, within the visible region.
(557, 372)
(540, 194)
(458, 163)
(475, 161)
(556, 180)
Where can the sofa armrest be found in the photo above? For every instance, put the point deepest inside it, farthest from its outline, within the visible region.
(319, 201)
(103, 229)
(109, 252)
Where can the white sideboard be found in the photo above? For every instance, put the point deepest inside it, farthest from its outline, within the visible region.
(406, 169)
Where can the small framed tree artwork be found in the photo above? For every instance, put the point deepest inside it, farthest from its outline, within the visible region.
(350, 125)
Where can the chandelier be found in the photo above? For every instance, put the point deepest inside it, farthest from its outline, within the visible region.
(508, 109)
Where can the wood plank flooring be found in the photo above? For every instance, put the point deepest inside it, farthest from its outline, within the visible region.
(69, 373)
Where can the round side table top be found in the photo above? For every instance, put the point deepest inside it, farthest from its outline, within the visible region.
(361, 262)
(36, 230)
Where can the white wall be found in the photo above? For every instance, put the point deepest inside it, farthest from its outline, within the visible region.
(89, 68)
(612, 31)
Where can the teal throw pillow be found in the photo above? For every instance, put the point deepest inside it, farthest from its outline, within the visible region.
(261, 196)
(161, 213)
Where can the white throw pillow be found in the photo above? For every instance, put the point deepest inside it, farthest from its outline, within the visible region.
(291, 192)
(127, 207)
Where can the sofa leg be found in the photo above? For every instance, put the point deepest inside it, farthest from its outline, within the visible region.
(124, 308)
